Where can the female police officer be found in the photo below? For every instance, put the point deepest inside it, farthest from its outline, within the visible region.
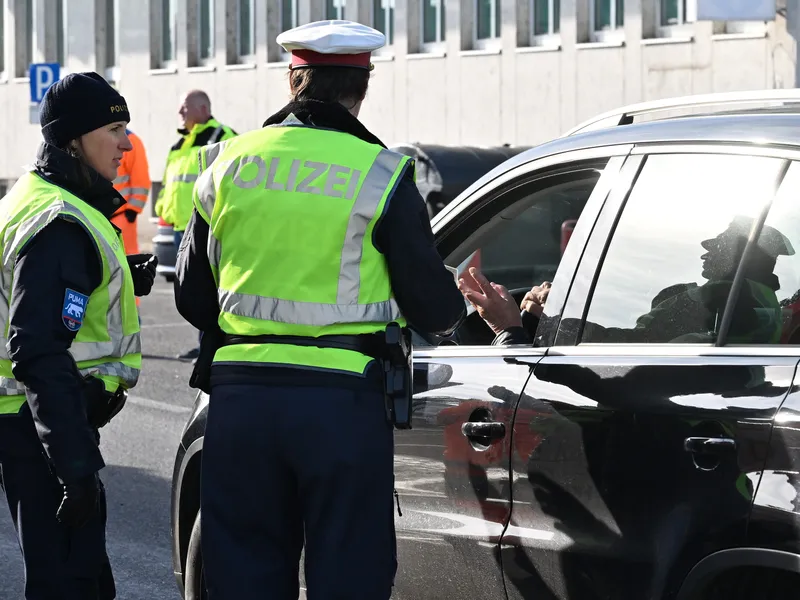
(308, 237)
(71, 337)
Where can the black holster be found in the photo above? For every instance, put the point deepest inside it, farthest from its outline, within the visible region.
(397, 376)
(391, 348)
(102, 405)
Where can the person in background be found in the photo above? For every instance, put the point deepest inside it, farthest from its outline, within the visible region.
(174, 203)
(72, 347)
(133, 184)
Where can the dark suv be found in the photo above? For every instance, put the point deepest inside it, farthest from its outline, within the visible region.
(646, 444)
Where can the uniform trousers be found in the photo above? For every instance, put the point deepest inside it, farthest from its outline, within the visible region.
(287, 469)
(61, 563)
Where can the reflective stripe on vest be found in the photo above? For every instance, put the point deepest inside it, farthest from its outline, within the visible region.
(107, 353)
(306, 313)
(174, 203)
(184, 178)
(127, 192)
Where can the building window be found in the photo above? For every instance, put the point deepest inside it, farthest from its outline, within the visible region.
(608, 14)
(247, 28)
(671, 12)
(433, 28)
(487, 19)
(288, 14)
(383, 18)
(169, 26)
(754, 28)
(205, 15)
(607, 18)
(334, 9)
(545, 21)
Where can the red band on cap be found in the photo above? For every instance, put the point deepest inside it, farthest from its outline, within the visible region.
(309, 58)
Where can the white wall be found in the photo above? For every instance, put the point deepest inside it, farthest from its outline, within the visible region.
(517, 95)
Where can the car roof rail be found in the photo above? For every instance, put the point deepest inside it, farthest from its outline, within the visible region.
(624, 115)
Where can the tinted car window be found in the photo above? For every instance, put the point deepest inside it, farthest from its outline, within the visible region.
(775, 263)
(674, 253)
(525, 247)
(518, 237)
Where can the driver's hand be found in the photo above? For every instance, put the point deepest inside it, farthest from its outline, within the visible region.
(533, 302)
(492, 301)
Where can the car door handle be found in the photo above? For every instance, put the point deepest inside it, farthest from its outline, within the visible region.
(709, 445)
(487, 430)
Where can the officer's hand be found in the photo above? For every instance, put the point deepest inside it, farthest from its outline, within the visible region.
(143, 271)
(80, 501)
(130, 215)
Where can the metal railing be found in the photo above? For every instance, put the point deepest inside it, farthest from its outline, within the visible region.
(625, 114)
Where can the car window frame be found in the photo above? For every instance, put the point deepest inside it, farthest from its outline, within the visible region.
(542, 168)
(577, 304)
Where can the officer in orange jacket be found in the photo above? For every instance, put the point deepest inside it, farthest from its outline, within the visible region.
(133, 183)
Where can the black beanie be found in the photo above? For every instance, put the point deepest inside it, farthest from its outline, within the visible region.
(77, 104)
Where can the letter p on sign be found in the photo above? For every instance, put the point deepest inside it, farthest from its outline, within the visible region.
(42, 76)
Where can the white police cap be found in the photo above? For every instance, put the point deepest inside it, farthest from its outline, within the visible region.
(331, 43)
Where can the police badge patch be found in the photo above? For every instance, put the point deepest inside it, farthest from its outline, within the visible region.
(73, 309)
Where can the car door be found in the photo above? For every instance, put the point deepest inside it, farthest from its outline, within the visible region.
(652, 407)
(452, 467)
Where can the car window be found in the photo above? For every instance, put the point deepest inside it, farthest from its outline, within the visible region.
(520, 244)
(527, 249)
(675, 251)
(773, 266)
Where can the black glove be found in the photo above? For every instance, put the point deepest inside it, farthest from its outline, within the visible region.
(80, 501)
(143, 270)
(130, 215)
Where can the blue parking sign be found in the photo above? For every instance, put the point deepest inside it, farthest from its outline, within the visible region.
(42, 76)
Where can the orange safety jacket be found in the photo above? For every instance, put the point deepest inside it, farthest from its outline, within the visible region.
(133, 184)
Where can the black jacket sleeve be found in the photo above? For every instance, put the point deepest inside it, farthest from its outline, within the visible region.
(512, 336)
(195, 289)
(425, 291)
(62, 256)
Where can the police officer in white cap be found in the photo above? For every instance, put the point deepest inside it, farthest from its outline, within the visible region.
(309, 240)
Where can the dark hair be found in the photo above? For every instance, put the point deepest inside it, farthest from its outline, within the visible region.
(85, 173)
(329, 84)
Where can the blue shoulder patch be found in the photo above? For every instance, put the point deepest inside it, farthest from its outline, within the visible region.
(73, 309)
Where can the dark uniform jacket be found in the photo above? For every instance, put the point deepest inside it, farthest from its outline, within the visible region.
(62, 255)
(423, 288)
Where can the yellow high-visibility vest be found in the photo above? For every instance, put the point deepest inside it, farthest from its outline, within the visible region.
(291, 211)
(174, 203)
(107, 344)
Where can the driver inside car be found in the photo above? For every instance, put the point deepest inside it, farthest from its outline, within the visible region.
(685, 312)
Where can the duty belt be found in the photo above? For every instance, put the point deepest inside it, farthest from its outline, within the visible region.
(370, 344)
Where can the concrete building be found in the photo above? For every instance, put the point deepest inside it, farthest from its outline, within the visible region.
(479, 72)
